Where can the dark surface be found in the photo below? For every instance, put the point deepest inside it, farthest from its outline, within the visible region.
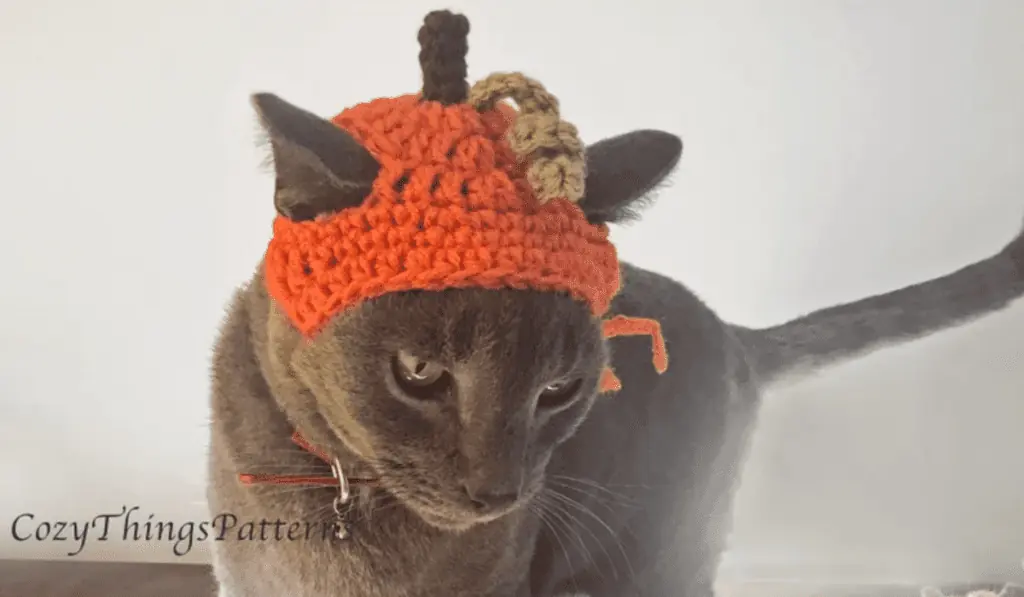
(796, 589)
(31, 578)
(34, 578)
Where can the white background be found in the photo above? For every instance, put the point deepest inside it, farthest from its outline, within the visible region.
(833, 150)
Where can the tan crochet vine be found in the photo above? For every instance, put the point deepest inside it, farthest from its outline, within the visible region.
(551, 145)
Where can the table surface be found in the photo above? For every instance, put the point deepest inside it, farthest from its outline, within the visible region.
(34, 578)
(40, 578)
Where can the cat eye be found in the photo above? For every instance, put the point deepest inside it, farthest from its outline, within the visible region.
(419, 378)
(559, 394)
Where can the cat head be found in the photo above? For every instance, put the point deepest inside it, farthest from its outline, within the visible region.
(439, 267)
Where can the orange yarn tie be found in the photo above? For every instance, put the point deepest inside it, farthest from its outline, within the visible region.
(620, 325)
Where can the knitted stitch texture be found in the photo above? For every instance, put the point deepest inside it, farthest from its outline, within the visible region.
(451, 207)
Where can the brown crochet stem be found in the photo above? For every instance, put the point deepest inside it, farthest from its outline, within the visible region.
(443, 47)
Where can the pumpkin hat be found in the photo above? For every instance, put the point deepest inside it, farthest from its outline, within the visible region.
(451, 187)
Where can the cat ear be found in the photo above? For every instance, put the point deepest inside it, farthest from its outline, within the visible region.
(623, 170)
(319, 168)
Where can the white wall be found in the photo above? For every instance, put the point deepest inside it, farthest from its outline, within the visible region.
(834, 149)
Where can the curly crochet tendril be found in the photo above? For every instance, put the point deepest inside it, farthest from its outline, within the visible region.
(551, 145)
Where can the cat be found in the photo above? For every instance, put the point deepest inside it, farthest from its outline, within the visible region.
(598, 495)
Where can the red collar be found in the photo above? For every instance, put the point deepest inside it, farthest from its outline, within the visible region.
(326, 481)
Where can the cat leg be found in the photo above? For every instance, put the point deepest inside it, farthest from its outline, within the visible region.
(225, 586)
(224, 590)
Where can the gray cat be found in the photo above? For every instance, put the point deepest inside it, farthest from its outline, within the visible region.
(637, 486)
(505, 492)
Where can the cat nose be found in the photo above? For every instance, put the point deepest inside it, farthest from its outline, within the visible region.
(485, 499)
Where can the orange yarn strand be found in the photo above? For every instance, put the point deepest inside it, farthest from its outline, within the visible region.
(609, 381)
(620, 325)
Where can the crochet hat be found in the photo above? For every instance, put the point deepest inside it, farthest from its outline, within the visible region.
(451, 187)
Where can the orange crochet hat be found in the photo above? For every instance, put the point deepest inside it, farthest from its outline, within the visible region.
(470, 193)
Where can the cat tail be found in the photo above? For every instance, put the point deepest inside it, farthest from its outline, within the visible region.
(808, 344)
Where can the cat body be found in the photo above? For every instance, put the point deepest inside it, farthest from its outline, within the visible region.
(498, 442)
(646, 482)
(663, 483)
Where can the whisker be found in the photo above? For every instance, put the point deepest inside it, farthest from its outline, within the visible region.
(579, 524)
(589, 484)
(265, 468)
(278, 490)
(609, 502)
(542, 515)
(378, 504)
(618, 542)
(562, 514)
(320, 514)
